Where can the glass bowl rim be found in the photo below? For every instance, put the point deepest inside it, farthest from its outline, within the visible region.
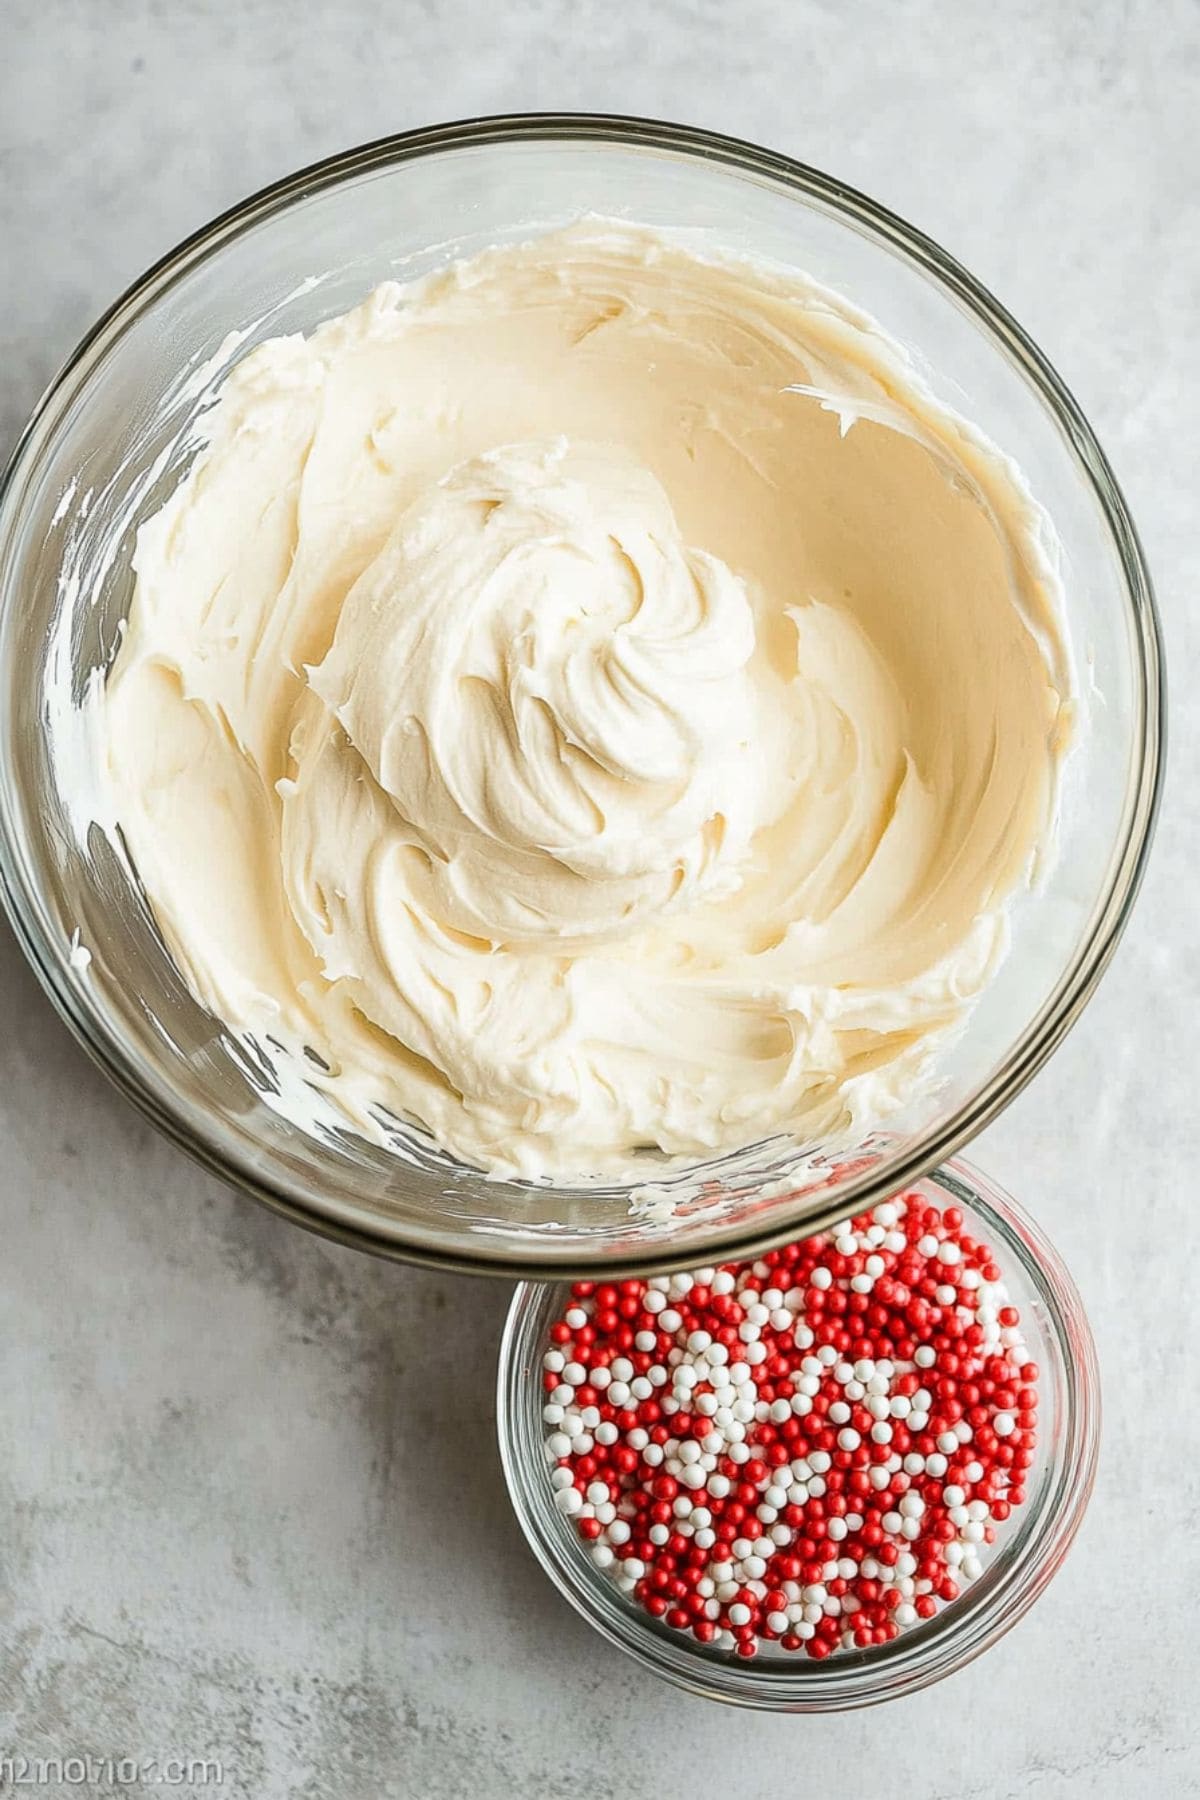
(924, 1654)
(49, 957)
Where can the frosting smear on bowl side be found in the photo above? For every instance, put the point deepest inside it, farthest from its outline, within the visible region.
(594, 697)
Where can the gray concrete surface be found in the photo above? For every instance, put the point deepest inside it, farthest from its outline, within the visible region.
(228, 1452)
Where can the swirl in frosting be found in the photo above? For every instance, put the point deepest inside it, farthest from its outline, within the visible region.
(593, 698)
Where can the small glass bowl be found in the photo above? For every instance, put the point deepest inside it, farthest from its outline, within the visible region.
(1029, 1549)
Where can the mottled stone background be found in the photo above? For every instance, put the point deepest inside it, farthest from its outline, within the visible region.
(249, 1509)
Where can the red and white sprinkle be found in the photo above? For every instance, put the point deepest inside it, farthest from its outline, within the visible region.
(810, 1451)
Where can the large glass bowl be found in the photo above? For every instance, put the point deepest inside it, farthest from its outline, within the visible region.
(114, 434)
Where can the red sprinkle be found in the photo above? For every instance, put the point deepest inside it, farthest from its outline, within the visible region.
(810, 1451)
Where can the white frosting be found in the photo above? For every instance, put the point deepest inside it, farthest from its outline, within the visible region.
(592, 698)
